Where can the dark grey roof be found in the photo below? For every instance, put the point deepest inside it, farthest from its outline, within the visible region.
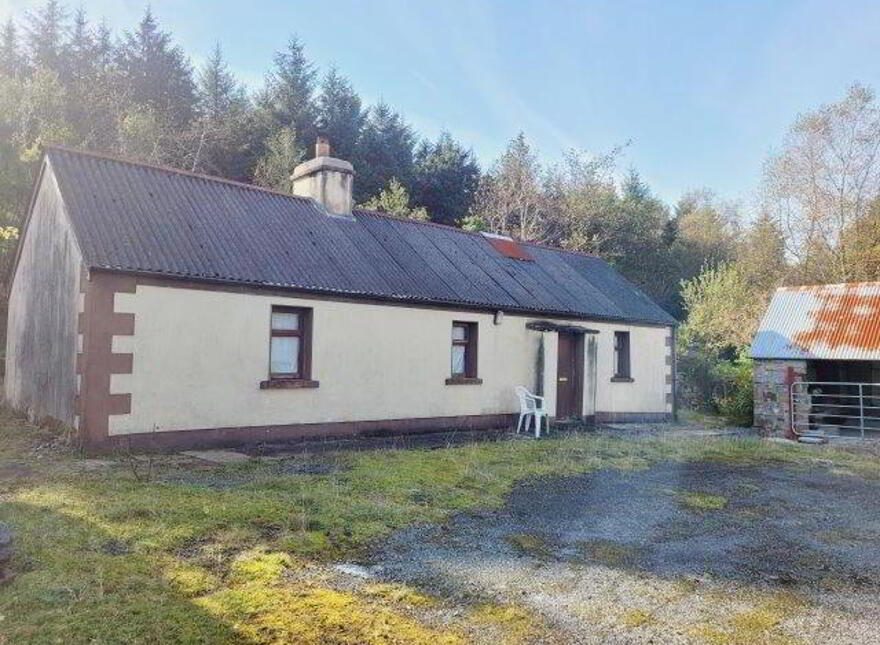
(140, 218)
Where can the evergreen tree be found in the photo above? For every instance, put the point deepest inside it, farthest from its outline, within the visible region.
(394, 200)
(44, 36)
(156, 74)
(637, 243)
(90, 119)
(384, 150)
(760, 256)
(217, 90)
(12, 62)
(80, 62)
(287, 101)
(104, 51)
(446, 179)
(282, 155)
(339, 114)
(224, 130)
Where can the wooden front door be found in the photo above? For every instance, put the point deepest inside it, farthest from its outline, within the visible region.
(570, 376)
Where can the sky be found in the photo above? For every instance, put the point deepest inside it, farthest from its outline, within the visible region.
(702, 92)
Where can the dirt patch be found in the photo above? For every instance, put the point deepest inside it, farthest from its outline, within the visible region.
(624, 557)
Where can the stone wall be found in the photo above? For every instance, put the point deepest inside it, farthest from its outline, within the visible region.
(772, 403)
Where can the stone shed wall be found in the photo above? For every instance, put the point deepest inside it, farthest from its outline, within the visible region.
(773, 379)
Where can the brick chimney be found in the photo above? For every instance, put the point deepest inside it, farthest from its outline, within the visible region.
(325, 179)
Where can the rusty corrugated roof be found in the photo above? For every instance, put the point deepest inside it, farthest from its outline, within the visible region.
(833, 321)
(153, 220)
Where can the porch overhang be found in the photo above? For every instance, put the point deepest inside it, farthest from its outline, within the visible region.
(546, 325)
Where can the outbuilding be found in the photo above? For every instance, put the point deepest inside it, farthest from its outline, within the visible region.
(817, 362)
(166, 309)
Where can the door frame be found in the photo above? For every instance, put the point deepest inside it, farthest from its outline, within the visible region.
(577, 375)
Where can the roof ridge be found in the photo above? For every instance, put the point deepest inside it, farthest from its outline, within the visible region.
(467, 232)
(240, 184)
(106, 156)
(421, 222)
(803, 287)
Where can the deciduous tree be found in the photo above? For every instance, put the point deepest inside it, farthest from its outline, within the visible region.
(824, 180)
(510, 199)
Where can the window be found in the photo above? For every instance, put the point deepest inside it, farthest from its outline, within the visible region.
(290, 340)
(621, 357)
(464, 353)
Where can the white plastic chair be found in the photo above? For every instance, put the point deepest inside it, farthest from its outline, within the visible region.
(531, 406)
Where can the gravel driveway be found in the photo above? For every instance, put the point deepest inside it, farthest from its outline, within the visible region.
(681, 553)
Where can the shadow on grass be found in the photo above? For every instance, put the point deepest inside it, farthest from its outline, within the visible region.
(75, 583)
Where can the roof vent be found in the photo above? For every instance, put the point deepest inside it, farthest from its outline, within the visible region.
(508, 247)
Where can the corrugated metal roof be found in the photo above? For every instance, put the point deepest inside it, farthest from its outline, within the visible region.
(148, 219)
(833, 321)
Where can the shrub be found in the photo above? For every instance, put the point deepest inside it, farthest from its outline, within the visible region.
(734, 397)
(711, 384)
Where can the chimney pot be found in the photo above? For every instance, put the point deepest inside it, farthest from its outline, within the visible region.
(322, 147)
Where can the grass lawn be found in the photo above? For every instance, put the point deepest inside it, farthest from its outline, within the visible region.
(237, 554)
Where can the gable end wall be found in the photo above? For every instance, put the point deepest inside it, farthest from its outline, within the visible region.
(44, 301)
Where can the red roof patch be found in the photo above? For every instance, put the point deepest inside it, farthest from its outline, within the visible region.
(508, 247)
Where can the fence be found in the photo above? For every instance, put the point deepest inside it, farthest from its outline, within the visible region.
(830, 409)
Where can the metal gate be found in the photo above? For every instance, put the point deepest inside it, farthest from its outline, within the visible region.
(835, 410)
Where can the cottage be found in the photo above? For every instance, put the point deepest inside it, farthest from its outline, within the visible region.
(167, 309)
(817, 362)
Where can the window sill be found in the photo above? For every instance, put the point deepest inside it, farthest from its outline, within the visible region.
(622, 379)
(287, 384)
(464, 380)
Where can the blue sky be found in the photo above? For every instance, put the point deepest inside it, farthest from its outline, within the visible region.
(703, 90)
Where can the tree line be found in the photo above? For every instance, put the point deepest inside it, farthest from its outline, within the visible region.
(65, 79)
(712, 264)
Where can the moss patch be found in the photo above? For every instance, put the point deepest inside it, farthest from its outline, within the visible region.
(259, 566)
(270, 614)
(530, 544)
(702, 501)
(400, 594)
(517, 624)
(609, 552)
(637, 618)
(760, 624)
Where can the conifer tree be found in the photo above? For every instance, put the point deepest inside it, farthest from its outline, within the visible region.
(339, 114)
(287, 100)
(446, 179)
(156, 74)
(384, 150)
